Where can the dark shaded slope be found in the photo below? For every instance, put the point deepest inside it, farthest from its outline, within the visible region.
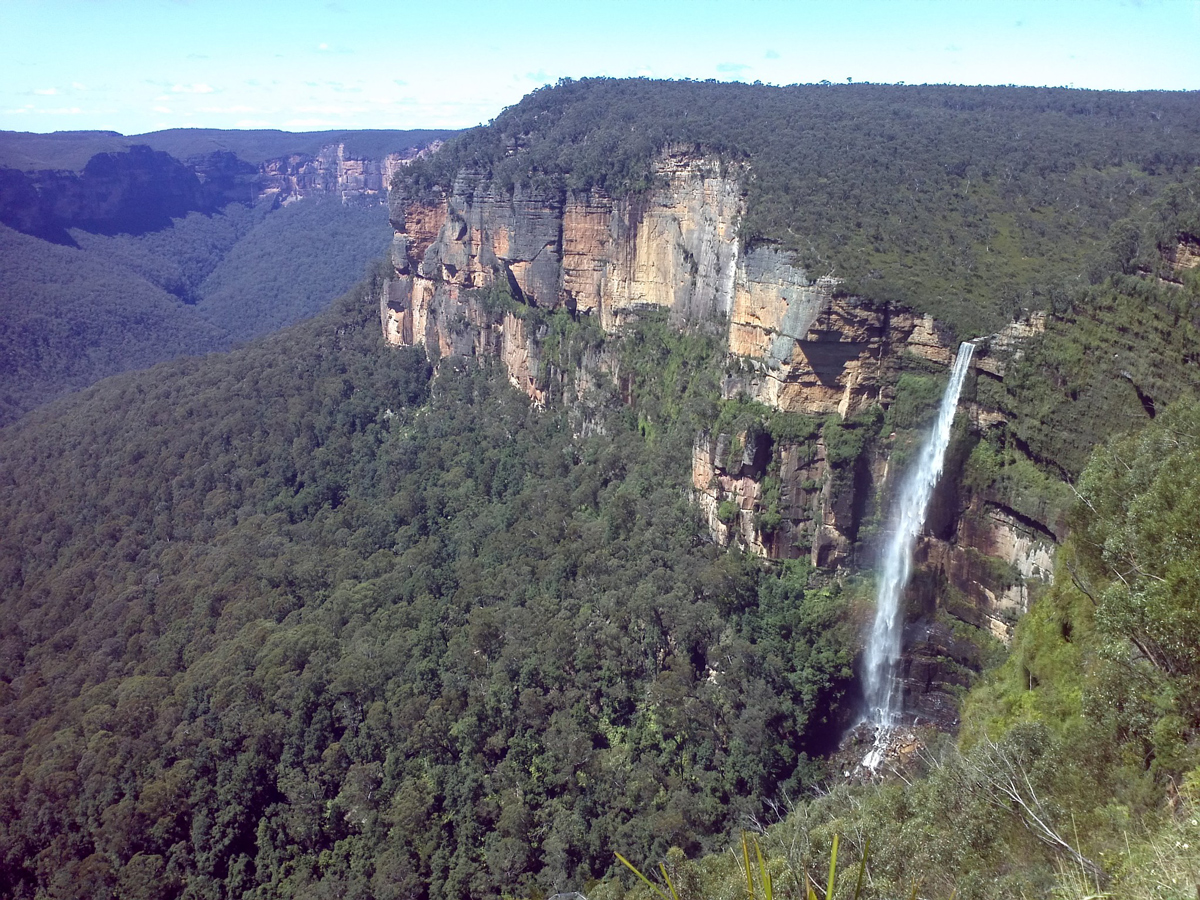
(68, 318)
(290, 265)
(72, 149)
(130, 192)
(72, 315)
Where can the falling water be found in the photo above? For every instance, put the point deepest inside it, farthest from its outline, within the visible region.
(883, 648)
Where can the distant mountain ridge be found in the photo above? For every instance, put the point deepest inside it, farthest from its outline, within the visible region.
(120, 252)
(137, 185)
(30, 151)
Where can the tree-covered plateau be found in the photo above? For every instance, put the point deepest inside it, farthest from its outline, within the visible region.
(969, 203)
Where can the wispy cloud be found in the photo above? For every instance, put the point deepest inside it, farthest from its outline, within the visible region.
(771, 54)
(46, 92)
(732, 68)
(201, 88)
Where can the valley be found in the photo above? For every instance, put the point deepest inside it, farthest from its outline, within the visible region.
(557, 535)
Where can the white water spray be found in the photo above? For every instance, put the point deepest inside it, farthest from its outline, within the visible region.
(881, 686)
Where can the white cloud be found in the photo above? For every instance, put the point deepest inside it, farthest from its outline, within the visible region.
(46, 92)
(161, 109)
(191, 89)
(78, 86)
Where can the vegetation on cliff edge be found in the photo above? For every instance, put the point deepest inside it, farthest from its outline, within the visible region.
(970, 203)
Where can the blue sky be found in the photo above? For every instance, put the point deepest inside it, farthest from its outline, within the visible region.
(141, 65)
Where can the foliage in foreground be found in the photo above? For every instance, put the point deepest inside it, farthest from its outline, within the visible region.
(1078, 770)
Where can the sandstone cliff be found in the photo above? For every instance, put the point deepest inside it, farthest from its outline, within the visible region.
(140, 190)
(331, 172)
(797, 345)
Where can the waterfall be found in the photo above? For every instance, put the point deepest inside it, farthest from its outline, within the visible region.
(881, 686)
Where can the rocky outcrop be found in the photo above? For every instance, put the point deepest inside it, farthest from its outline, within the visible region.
(1185, 254)
(726, 479)
(465, 266)
(141, 190)
(821, 353)
(592, 254)
(332, 172)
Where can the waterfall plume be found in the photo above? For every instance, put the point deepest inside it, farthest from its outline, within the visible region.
(880, 682)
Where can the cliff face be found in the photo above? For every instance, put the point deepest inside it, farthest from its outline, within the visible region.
(332, 172)
(584, 251)
(796, 344)
(141, 190)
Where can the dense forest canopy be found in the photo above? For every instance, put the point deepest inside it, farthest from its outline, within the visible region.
(970, 203)
(72, 315)
(299, 617)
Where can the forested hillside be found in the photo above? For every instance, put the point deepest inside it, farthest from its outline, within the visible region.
(970, 203)
(72, 315)
(120, 252)
(298, 616)
(318, 617)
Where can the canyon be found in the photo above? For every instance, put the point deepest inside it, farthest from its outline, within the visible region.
(798, 346)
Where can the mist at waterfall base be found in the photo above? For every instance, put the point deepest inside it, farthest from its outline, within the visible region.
(881, 686)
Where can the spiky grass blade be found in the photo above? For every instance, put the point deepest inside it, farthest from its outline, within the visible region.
(654, 887)
(667, 879)
(764, 877)
(832, 870)
(747, 869)
(862, 868)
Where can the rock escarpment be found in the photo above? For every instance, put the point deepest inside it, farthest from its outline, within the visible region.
(799, 346)
(141, 190)
(331, 172)
(132, 192)
(590, 253)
